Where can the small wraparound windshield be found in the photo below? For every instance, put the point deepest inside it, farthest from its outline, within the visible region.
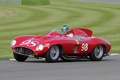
(57, 30)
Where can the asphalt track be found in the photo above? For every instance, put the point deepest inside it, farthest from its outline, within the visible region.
(107, 69)
(104, 1)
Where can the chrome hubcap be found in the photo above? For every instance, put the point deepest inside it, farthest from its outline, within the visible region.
(54, 52)
(98, 51)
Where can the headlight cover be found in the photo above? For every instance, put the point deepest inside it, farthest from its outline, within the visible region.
(13, 42)
(39, 47)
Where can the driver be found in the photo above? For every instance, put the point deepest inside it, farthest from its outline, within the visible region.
(66, 30)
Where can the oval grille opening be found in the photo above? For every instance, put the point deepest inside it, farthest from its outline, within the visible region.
(23, 51)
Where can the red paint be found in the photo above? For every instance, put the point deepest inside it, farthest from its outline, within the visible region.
(82, 39)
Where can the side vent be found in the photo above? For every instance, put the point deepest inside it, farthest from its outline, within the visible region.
(76, 49)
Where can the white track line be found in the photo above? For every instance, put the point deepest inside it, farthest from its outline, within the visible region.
(115, 54)
(12, 59)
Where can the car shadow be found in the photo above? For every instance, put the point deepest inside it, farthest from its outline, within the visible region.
(64, 61)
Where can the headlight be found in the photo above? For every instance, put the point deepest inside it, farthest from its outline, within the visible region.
(39, 47)
(13, 42)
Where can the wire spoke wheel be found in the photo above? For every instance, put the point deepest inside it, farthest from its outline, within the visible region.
(53, 54)
(97, 53)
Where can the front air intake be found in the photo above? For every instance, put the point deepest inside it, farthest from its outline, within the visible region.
(23, 51)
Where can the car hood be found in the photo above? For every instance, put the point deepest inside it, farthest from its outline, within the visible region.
(32, 42)
(42, 38)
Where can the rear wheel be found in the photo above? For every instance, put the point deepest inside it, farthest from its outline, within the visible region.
(97, 53)
(53, 54)
(20, 58)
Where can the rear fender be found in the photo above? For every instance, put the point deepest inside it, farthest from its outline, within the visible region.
(82, 32)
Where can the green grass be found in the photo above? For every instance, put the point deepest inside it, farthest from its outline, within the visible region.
(35, 2)
(103, 19)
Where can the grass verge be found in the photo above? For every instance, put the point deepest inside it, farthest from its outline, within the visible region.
(103, 19)
(35, 2)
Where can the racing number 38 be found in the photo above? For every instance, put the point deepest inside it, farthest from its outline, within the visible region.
(84, 47)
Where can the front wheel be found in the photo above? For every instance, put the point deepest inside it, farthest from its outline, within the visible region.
(97, 53)
(20, 58)
(53, 54)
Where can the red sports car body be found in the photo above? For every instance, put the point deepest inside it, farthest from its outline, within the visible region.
(56, 45)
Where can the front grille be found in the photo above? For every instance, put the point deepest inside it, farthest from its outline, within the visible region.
(23, 51)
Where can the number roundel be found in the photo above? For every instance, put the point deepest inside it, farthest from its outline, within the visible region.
(30, 43)
(84, 47)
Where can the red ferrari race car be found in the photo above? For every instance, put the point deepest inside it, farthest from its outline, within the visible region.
(57, 45)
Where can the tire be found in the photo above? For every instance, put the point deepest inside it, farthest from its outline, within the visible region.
(97, 53)
(20, 58)
(53, 54)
